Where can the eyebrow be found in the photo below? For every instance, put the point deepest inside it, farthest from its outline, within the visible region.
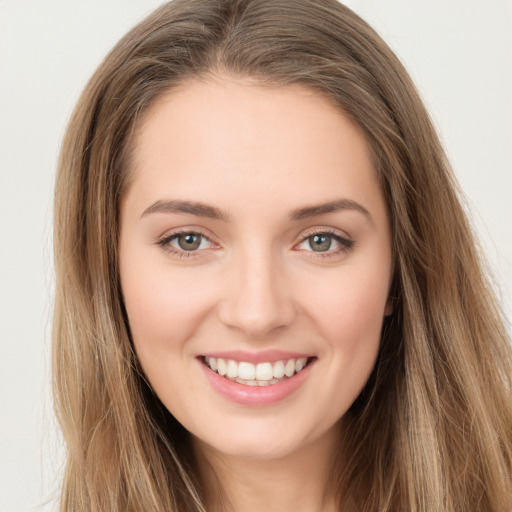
(204, 210)
(188, 207)
(330, 207)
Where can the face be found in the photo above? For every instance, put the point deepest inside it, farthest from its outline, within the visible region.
(255, 263)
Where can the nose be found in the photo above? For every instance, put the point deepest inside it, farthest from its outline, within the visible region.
(257, 299)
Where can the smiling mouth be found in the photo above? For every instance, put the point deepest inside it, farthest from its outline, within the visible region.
(261, 374)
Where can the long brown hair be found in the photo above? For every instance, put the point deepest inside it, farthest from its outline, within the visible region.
(432, 430)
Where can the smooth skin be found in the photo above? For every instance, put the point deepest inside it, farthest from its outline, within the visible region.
(243, 271)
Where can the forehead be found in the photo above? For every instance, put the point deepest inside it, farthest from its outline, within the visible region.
(225, 139)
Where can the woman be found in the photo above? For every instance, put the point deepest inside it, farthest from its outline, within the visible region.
(268, 294)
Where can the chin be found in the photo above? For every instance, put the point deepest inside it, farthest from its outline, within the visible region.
(254, 449)
(261, 440)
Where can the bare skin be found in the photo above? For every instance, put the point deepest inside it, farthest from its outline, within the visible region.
(296, 482)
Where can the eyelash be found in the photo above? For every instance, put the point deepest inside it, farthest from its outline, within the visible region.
(165, 241)
(345, 243)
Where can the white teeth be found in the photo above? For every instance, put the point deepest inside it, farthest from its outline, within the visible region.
(246, 371)
(278, 370)
(289, 368)
(222, 367)
(264, 371)
(251, 382)
(299, 365)
(262, 374)
(232, 370)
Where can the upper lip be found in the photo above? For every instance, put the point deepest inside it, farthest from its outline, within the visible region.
(264, 356)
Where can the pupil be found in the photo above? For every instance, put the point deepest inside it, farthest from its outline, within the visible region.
(320, 243)
(189, 242)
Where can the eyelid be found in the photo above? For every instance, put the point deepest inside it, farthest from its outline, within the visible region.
(324, 230)
(164, 241)
(343, 239)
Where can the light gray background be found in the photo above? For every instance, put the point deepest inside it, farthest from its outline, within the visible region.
(458, 51)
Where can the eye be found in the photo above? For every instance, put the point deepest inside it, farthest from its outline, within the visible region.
(319, 243)
(325, 242)
(185, 242)
(189, 241)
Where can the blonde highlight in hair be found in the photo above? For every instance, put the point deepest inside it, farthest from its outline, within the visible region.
(432, 430)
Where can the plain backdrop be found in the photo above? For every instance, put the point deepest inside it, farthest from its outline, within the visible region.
(459, 52)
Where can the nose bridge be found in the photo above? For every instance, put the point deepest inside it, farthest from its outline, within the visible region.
(258, 299)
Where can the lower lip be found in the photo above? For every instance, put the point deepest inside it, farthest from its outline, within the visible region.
(256, 395)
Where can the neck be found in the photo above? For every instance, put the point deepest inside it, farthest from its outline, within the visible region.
(298, 481)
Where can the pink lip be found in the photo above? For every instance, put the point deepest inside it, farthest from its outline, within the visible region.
(264, 356)
(255, 395)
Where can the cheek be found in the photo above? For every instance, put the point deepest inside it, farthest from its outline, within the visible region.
(165, 307)
(160, 307)
(350, 317)
(163, 313)
(350, 308)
